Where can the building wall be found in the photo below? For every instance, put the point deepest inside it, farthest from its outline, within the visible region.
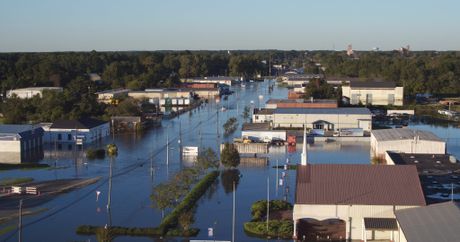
(262, 118)
(339, 121)
(27, 149)
(90, 135)
(307, 105)
(265, 134)
(379, 96)
(353, 215)
(378, 148)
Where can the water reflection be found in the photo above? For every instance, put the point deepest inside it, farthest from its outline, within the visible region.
(228, 177)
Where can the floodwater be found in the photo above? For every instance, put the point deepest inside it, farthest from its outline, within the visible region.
(133, 178)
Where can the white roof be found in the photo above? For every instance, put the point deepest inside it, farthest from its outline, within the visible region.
(404, 134)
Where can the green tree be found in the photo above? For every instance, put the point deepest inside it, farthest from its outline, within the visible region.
(207, 159)
(230, 156)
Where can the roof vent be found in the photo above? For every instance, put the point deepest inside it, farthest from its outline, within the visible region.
(452, 159)
(415, 161)
(412, 157)
(438, 162)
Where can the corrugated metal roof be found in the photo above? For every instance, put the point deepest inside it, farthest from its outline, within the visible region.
(434, 223)
(358, 184)
(275, 101)
(322, 111)
(404, 134)
(380, 224)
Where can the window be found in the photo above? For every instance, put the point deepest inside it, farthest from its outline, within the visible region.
(318, 126)
(69, 137)
(59, 136)
(69, 147)
(391, 99)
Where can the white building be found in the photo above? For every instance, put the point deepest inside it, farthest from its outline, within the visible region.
(81, 131)
(405, 141)
(323, 118)
(30, 92)
(262, 115)
(373, 93)
(352, 202)
(20, 143)
(227, 80)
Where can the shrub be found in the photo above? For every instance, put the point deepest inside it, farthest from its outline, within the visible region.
(276, 228)
(95, 154)
(259, 208)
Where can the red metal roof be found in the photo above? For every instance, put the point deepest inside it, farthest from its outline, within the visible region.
(358, 185)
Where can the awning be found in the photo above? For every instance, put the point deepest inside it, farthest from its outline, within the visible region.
(380, 224)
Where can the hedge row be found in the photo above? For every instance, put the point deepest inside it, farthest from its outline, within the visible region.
(276, 229)
(170, 221)
(126, 231)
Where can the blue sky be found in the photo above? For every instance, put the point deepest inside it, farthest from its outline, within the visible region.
(84, 25)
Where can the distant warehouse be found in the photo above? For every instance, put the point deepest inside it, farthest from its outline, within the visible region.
(406, 141)
(373, 93)
(323, 118)
(30, 92)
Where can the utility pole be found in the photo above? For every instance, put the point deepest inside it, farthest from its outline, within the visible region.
(167, 146)
(277, 179)
(20, 222)
(233, 213)
(268, 201)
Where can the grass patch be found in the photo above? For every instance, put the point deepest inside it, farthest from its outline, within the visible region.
(7, 229)
(289, 167)
(276, 229)
(15, 181)
(26, 166)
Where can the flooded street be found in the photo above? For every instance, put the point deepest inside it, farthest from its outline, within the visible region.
(133, 178)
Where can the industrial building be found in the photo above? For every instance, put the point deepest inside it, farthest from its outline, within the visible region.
(263, 115)
(438, 173)
(262, 132)
(79, 132)
(29, 92)
(20, 143)
(323, 118)
(227, 80)
(434, 223)
(373, 93)
(205, 93)
(301, 103)
(405, 140)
